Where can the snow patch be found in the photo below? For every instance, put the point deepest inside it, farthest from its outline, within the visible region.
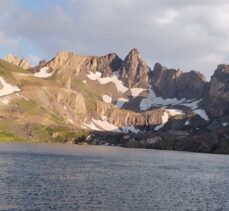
(127, 129)
(174, 112)
(136, 91)
(5, 100)
(121, 102)
(104, 125)
(84, 81)
(153, 100)
(69, 120)
(165, 117)
(202, 114)
(113, 79)
(94, 75)
(107, 98)
(225, 124)
(187, 123)
(7, 88)
(91, 126)
(43, 73)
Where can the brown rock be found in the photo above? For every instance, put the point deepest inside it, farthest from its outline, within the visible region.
(135, 71)
(171, 83)
(217, 100)
(23, 63)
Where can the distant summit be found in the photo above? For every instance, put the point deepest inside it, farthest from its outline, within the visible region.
(23, 63)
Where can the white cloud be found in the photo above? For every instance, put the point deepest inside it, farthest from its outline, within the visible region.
(177, 33)
(34, 60)
(5, 41)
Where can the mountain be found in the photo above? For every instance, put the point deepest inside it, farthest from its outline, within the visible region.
(23, 63)
(107, 100)
(170, 83)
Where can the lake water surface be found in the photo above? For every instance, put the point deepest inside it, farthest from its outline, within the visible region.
(70, 177)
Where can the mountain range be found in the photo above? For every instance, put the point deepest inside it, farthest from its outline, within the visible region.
(111, 101)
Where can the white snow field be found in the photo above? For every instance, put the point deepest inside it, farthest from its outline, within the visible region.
(165, 117)
(153, 100)
(7, 88)
(107, 98)
(121, 102)
(135, 92)
(104, 125)
(113, 79)
(43, 73)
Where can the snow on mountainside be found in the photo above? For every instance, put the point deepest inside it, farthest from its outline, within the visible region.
(153, 100)
(43, 73)
(7, 88)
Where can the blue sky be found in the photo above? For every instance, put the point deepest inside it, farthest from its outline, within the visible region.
(177, 33)
(38, 5)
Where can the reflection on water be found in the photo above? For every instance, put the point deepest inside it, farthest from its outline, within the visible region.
(69, 177)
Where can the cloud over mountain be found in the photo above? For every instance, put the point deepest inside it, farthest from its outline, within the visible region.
(186, 34)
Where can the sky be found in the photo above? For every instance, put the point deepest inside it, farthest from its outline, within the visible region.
(191, 35)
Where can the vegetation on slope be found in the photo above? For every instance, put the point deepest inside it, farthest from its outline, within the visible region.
(7, 69)
(90, 96)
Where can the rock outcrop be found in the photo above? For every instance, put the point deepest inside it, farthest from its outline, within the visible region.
(134, 72)
(171, 83)
(67, 61)
(37, 68)
(23, 63)
(217, 100)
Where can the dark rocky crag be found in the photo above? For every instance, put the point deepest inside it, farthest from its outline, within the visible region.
(171, 83)
(217, 99)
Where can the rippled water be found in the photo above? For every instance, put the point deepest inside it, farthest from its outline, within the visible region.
(69, 177)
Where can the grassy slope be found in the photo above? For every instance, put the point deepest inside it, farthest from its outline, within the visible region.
(90, 96)
(7, 71)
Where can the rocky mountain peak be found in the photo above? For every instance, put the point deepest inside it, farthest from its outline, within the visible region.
(221, 69)
(217, 102)
(173, 83)
(23, 63)
(135, 71)
(134, 52)
(62, 57)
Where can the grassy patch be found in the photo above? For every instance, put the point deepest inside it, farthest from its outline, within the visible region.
(56, 118)
(57, 134)
(27, 106)
(11, 67)
(9, 137)
(90, 96)
(6, 70)
(31, 82)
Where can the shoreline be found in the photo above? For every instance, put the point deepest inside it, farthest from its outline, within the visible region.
(127, 144)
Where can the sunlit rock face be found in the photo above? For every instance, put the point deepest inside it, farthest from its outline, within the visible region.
(134, 72)
(23, 63)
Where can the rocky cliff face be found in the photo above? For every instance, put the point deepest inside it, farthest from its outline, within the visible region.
(217, 100)
(23, 63)
(171, 83)
(134, 72)
(70, 62)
